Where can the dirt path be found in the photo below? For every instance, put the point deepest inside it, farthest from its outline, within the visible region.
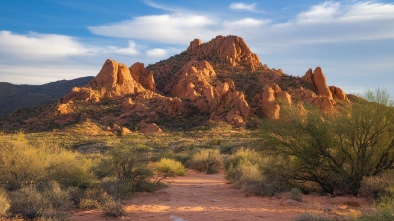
(207, 197)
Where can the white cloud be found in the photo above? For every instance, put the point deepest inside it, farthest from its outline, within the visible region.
(320, 13)
(36, 45)
(169, 28)
(158, 6)
(130, 50)
(37, 58)
(157, 52)
(246, 22)
(243, 6)
(323, 23)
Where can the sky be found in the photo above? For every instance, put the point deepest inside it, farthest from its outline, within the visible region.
(43, 41)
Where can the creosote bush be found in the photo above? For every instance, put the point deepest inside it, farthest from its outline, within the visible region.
(206, 160)
(170, 167)
(254, 174)
(295, 194)
(50, 203)
(113, 208)
(4, 203)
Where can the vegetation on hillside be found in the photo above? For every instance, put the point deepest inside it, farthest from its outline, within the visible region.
(44, 175)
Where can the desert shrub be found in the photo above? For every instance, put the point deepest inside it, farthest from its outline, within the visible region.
(207, 160)
(313, 217)
(234, 164)
(335, 151)
(113, 208)
(384, 210)
(126, 171)
(93, 198)
(170, 167)
(52, 203)
(4, 203)
(376, 186)
(21, 164)
(71, 169)
(254, 174)
(295, 194)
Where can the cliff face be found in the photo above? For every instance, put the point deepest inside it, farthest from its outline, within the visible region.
(221, 80)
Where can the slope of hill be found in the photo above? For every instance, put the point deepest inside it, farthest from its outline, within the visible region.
(27, 96)
(218, 81)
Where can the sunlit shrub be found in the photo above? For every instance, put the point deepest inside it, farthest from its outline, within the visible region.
(4, 203)
(170, 167)
(207, 160)
(113, 208)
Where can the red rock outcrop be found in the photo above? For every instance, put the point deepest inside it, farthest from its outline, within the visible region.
(232, 48)
(226, 103)
(272, 98)
(136, 71)
(325, 95)
(320, 83)
(195, 77)
(338, 93)
(116, 79)
(142, 76)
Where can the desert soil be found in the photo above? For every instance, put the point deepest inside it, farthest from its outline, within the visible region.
(199, 196)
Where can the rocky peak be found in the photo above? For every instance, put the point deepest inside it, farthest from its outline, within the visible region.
(232, 49)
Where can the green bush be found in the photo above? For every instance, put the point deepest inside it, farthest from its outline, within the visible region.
(207, 160)
(254, 174)
(93, 198)
(384, 210)
(4, 203)
(170, 167)
(22, 164)
(376, 186)
(338, 150)
(295, 194)
(51, 203)
(126, 171)
(113, 208)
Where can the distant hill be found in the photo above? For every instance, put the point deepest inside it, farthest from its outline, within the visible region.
(14, 97)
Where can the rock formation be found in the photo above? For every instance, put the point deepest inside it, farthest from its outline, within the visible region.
(116, 80)
(221, 80)
(231, 48)
(325, 96)
(272, 98)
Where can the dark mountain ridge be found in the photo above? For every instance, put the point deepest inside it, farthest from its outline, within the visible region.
(14, 96)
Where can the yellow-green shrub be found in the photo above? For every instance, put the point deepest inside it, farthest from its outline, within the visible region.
(206, 160)
(170, 167)
(4, 203)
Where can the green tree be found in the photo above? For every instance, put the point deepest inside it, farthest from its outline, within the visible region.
(336, 150)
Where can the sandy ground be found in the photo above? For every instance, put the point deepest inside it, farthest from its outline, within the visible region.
(203, 197)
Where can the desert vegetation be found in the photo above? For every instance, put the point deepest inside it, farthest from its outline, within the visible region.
(45, 175)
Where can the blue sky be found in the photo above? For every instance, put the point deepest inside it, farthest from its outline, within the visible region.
(48, 40)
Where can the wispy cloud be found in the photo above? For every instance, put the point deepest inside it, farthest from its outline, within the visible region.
(168, 28)
(159, 6)
(243, 6)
